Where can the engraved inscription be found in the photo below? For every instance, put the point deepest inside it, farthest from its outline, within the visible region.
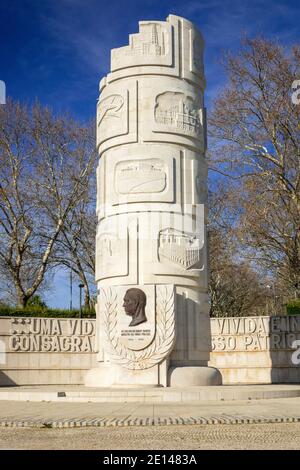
(178, 110)
(254, 333)
(140, 176)
(180, 248)
(51, 335)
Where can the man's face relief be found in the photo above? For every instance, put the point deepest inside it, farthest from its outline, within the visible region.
(129, 305)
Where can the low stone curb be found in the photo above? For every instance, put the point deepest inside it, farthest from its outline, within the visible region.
(150, 421)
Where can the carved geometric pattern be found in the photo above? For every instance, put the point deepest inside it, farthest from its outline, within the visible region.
(164, 338)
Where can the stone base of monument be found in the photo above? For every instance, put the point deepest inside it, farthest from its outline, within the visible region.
(108, 376)
(183, 395)
(194, 376)
(99, 377)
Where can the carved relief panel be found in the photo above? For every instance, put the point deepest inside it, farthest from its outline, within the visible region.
(117, 250)
(171, 48)
(178, 113)
(138, 323)
(171, 113)
(152, 45)
(175, 249)
(117, 115)
(180, 248)
(140, 174)
(112, 116)
(112, 255)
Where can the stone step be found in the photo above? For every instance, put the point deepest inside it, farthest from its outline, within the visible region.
(148, 395)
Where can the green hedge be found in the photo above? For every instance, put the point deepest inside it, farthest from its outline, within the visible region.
(6, 311)
(293, 307)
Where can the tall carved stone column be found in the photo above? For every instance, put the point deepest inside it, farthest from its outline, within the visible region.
(151, 248)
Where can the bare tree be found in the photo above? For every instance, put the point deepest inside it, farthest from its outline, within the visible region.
(76, 244)
(255, 141)
(235, 288)
(45, 164)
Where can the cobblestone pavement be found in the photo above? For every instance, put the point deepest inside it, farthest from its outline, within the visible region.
(54, 414)
(69, 415)
(271, 424)
(251, 436)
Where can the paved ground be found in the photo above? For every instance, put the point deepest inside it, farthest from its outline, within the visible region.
(55, 414)
(256, 436)
(26, 425)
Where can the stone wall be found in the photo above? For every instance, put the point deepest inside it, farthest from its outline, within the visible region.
(256, 349)
(39, 351)
(45, 350)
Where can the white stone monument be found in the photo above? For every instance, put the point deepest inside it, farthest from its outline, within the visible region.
(151, 250)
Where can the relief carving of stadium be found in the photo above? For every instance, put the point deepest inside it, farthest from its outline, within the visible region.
(180, 248)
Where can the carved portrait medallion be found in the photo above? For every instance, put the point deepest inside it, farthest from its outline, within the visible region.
(150, 335)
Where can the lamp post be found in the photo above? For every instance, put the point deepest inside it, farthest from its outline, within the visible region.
(272, 289)
(71, 290)
(80, 299)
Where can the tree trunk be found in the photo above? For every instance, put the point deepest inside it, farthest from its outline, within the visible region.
(22, 299)
(87, 296)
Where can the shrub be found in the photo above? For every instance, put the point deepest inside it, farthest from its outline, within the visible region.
(36, 302)
(293, 307)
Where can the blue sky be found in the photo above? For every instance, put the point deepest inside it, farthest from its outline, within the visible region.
(57, 50)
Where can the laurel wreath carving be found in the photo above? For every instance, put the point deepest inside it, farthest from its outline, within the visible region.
(164, 338)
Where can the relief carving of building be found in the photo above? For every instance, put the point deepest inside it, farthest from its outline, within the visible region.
(151, 40)
(178, 110)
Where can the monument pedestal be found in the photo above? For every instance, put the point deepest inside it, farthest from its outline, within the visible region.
(194, 376)
(151, 248)
(108, 376)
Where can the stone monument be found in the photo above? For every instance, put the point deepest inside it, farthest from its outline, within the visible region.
(151, 247)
